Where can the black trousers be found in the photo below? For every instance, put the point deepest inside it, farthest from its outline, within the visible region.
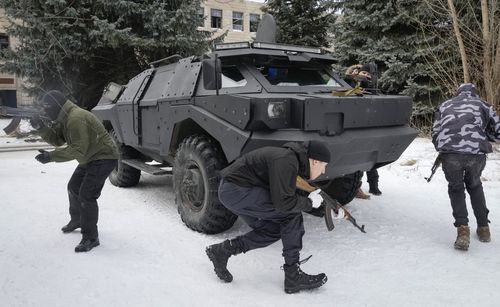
(372, 177)
(84, 188)
(269, 225)
(463, 171)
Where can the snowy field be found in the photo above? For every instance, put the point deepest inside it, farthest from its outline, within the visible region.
(148, 257)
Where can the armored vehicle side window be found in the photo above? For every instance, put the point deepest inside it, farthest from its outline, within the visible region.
(232, 77)
(297, 76)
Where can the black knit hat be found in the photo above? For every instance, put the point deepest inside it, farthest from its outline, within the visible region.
(366, 67)
(317, 150)
(52, 102)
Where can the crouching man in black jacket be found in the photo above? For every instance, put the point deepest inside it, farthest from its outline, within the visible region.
(260, 187)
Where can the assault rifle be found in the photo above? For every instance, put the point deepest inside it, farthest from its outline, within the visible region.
(435, 166)
(331, 206)
(18, 114)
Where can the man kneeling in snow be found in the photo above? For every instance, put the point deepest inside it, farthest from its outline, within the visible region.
(260, 187)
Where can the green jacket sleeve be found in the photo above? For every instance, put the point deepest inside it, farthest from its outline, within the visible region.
(53, 136)
(77, 140)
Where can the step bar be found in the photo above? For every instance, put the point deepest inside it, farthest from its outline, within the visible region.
(148, 168)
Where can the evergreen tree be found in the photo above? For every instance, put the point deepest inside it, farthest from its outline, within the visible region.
(79, 46)
(388, 33)
(301, 22)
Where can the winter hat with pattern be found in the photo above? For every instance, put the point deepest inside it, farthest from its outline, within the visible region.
(467, 88)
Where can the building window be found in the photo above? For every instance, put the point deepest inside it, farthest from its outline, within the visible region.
(216, 18)
(238, 21)
(254, 22)
(201, 17)
(4, 41)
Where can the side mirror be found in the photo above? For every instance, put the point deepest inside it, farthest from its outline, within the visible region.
(212, 76)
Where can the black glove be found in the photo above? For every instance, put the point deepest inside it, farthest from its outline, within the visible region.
(43, 156)
(36, 122)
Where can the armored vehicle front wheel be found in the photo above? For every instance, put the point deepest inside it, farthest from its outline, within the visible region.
(343, 189)
(124, 175)
(196, 180)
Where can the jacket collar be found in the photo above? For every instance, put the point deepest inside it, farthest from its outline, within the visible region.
(65, 110)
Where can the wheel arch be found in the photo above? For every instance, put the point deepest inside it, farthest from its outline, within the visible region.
(230, 139)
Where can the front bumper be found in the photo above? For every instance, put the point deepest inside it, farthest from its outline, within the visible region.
(353, 150)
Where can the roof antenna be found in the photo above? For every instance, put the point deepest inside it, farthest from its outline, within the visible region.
(266, 32)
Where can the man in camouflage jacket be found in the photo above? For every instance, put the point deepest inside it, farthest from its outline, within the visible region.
(462, 130)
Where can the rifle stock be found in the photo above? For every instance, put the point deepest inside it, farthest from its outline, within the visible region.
(18, 114)
(434, 168)
(330, 205)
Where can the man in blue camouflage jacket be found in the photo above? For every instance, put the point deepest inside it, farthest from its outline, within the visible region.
(462, 131)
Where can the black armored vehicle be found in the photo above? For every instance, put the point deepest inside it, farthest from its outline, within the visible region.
(193, 116)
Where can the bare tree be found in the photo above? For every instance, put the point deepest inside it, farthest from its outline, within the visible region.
(474, 29)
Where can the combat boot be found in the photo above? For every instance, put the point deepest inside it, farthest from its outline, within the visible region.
(463, 237)
(483, 232)
(219, 255)
(72, 225)
(374, 189)
(361, 194)
(296, 279)
(86, 245)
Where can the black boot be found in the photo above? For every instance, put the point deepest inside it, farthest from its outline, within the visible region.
(296, 280)
(219, 255)
(374, 187)
(72, 225)
(374, 190)
(86, 244)
(372, 178)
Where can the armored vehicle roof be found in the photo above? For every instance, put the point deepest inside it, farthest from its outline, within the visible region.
(294, 53)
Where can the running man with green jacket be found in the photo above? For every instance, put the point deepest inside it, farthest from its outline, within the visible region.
(88, 142)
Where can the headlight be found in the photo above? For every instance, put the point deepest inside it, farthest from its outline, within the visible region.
(276, 109)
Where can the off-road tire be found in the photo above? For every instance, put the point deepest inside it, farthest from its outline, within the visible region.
(124, 175)
(197, 163)
(343, 189)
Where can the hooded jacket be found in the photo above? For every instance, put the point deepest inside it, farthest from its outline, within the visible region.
(274, 169)
(86, 138)
(465, 124)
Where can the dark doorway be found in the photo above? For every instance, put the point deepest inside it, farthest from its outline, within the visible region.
(8, 98)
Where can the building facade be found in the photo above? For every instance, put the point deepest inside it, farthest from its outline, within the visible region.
(239, 18)
(10, 87)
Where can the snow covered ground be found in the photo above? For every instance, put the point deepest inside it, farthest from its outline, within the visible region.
(148, 257)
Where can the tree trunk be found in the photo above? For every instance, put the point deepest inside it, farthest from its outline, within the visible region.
(495, 26)
(458, 35)
(487, 67)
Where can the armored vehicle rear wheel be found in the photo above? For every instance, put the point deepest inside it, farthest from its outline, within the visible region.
(124, 175)
(343, 189)
(196, 180)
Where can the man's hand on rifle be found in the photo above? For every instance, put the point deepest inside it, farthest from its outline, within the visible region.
(43, 156)
(36, 122)
(316, 198)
